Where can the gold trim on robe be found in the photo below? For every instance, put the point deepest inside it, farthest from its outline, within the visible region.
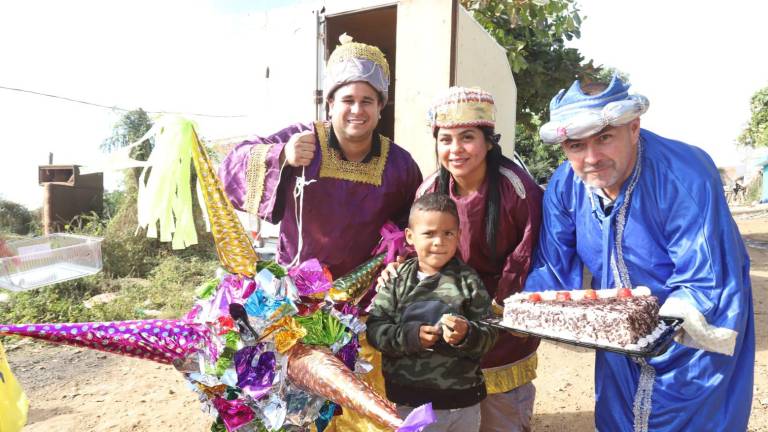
(333, 164)
(502, 379)
(255, 177)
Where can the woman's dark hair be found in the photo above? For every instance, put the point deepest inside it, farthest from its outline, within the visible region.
(493, 204)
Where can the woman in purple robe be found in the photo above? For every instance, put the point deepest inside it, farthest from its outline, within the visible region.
(500, 213)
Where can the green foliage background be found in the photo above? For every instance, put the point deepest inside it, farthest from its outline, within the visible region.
(14, 218)
(146, 276)
(534, 33)
(756, 132)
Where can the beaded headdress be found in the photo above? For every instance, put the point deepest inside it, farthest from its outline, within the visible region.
(462, 107)
(353, 62)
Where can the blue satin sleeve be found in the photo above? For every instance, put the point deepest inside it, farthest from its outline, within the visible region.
(556, 263)
(703, 242)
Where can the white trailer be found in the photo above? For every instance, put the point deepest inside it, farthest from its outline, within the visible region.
(430, 45)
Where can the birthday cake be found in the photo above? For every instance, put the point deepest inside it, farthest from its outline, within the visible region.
(621, 317)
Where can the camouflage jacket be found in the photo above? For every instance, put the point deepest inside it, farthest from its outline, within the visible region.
(447, 375)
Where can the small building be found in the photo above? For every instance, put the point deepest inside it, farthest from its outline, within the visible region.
(67, 194)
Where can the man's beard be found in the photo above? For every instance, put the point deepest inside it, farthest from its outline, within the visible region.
(600, 183)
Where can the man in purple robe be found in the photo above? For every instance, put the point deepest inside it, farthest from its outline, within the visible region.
(352, 180)
(355, 180)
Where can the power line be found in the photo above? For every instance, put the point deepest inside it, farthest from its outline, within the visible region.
(115, 108)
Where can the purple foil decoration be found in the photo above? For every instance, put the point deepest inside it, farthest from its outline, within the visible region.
(392, 242)
(255, 380)
(348, 353)
(418, 419)
(240, 288)
(234, 413)
(310, 278)
(159, 340)
(232, 289)
(192, 314)
(350, 309)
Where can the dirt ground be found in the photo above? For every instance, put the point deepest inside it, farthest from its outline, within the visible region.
(79, 390)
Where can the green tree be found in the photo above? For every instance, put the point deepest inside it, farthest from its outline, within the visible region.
(541, 159)
(606, 73)
(756, 132)
(534, 33)
(131, 126)
(129, 129)
(127, 251)
(14, 218)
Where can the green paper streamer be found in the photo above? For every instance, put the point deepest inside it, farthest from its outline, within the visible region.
(207, 289)
(165, 195)
(273, 267)
(322, 328)
(227, 356)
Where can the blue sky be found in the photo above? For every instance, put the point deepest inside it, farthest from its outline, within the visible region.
(697, 64)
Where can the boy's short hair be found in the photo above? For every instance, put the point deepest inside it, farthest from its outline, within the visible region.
(435, 201)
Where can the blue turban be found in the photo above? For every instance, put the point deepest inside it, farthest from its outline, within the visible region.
(575, 115)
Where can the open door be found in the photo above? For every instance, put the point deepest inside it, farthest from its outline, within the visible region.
(424, 58)
(430, 45)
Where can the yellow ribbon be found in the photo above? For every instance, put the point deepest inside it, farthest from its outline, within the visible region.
(165, 197)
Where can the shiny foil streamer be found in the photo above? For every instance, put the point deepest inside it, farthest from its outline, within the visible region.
(318, 371)
(234, 413)
(310, 278)
(160, 340)
(286, 333)
(356, 283)
(255, 370)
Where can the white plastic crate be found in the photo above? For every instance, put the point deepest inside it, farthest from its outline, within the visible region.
(50, 259)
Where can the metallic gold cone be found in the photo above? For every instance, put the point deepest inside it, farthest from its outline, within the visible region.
(232, 243)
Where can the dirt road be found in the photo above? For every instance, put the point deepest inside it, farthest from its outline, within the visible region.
(80, 390)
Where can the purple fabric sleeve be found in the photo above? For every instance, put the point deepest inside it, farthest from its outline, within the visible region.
(234, 168)
(341, 218)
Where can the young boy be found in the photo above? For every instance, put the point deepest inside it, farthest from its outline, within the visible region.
(425, 323)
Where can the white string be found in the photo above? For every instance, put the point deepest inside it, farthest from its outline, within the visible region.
(298, 203)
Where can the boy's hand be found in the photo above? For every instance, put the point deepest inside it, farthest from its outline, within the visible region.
(428, 335)
(389, 272)
(455, 328)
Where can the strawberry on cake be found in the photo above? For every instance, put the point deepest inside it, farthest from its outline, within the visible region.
(614, 317)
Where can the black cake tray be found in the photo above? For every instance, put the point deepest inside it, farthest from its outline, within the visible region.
(653, 349)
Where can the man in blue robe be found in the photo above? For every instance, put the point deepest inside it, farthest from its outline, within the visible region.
(642, 210)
